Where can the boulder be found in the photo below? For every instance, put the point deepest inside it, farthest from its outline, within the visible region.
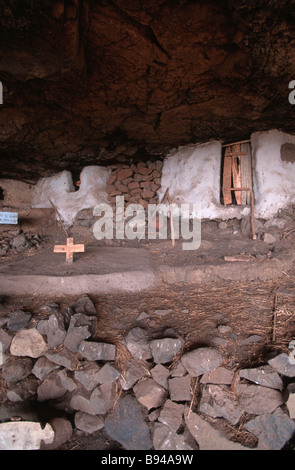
(94, 351)
(219, 402)
(202, 360)
(28, 343)
(264, 375)
(88, 376)
(126, 424)
(135, 369)
(165, 349)
(255, 399)
(18, 320)
(160, 374)
(206, 436)
(180, 388)
(88, 423)
(53, 329)
(137, 343)
(15, 369)
(149, 393)
(164, 438)
(273, 430)
(172, 415)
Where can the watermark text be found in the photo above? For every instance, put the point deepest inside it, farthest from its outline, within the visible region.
(130, 222)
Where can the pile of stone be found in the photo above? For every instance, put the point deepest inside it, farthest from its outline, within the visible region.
(159, 397)
(17, 241)
(137, 183)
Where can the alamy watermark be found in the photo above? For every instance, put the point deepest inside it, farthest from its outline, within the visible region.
(292, 94)
(184, 222)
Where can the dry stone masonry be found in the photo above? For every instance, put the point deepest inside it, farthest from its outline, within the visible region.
(137, 183)
(161, 397)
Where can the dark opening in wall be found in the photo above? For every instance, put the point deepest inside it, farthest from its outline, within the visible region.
(288, 153)
(1, 194)
(76, 180)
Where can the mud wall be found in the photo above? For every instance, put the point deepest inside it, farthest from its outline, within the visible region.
(192, 174)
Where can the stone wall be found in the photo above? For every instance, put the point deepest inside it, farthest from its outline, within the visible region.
(137, 183)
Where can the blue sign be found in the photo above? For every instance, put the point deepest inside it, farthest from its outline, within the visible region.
(8, 218)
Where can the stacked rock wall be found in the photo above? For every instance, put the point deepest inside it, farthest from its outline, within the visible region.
(138, 183)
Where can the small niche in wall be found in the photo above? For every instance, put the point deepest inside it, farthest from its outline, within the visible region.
(236, 174)
(1, 194)
(288, 153)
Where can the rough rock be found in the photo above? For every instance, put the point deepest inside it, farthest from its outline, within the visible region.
(28, 343)
(76, 334)
(206, 436)
(180, 388)
(163, 312)
(51, 388)
(88, 376)
(18, 320)
(251, 339)
(102, 398)
(273, 430)
(43, 367)
(178, 370)
(23, 390)
(67, 382)
(269, 238)
(149, 393)
(165, 349)
(88, 423)
(283, 364)
(94, 351)
(202, 360)
(126, 424)
(19, 241)
(221, 375)
(255, 399)
(290, 402)
(107, 374)
(80, 402)
(160, 374)
(16, 369)
(172, 415)
(164, 438)
(64, 358)
(134, 370)
(137, 343)
(83, 305)
(218, 401)
(5, 340)
(53, 329)
(264, 375)
(139, 113)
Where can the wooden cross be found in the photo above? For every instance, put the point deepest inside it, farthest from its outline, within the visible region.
(69, 249)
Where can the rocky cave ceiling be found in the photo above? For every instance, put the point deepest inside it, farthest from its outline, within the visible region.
(97, 81)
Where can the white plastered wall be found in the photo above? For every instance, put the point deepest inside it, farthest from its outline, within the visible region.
(60, 190)
(274, 179)
(192, 174)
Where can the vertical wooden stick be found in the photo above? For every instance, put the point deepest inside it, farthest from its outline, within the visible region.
(166, 195)
(274, 318)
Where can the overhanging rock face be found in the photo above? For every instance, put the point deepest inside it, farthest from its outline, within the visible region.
(87, 82)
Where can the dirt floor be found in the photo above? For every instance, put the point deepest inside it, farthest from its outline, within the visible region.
(248, 307)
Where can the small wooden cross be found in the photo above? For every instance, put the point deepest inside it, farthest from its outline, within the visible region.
(69, 249)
